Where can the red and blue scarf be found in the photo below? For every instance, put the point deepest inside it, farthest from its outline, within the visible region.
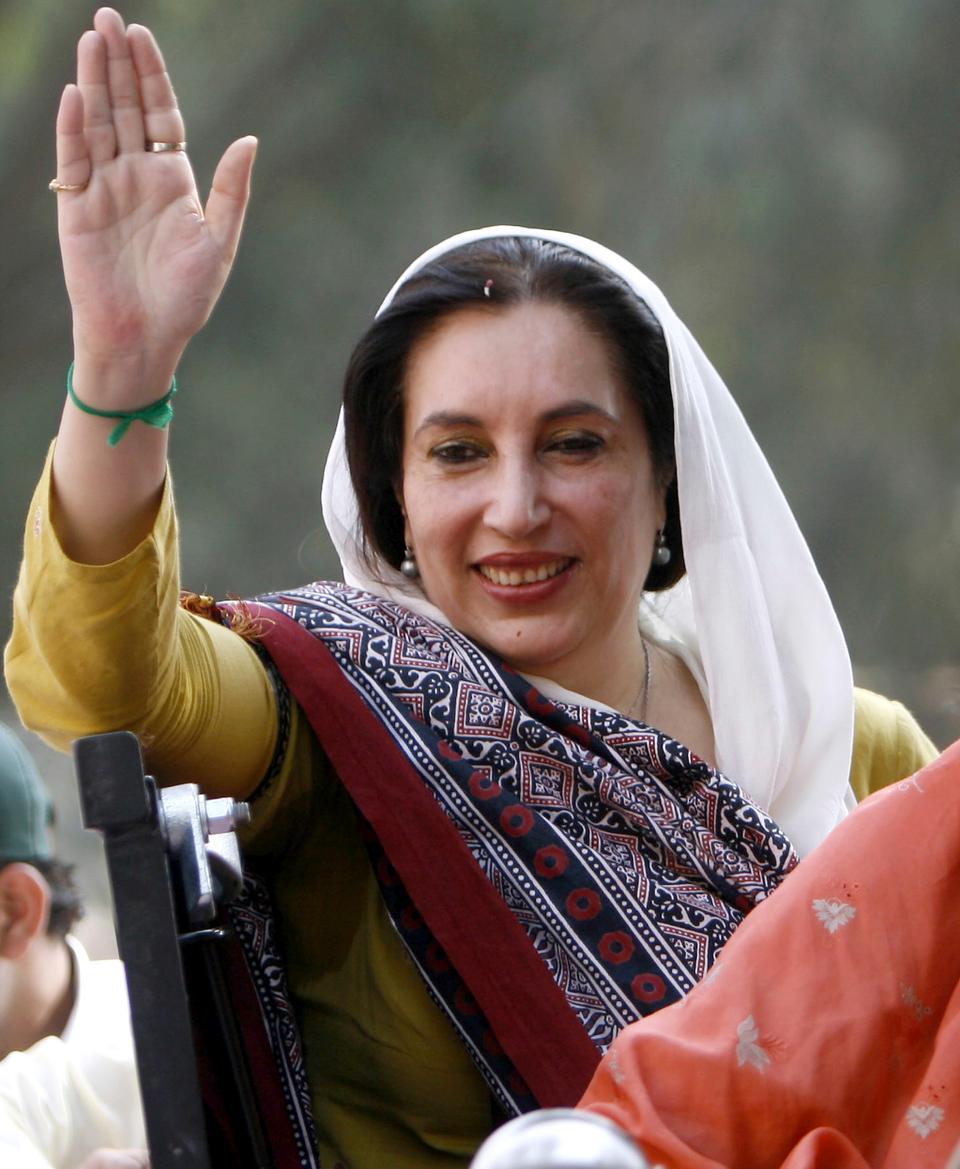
(554, 870)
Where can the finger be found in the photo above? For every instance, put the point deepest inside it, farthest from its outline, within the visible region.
(124, 92)
(116, 1159)
(92, 80)
(161, 115)
(134, 1159)
(73, 160)
(230, 194)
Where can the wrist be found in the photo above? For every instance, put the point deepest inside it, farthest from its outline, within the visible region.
(122, 381)
(158, 414)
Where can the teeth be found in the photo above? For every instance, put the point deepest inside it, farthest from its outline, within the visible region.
(499, 576)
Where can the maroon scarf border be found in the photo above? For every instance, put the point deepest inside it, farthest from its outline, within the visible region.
(487, 945)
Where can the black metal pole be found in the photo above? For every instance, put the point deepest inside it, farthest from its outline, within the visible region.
(121, 802)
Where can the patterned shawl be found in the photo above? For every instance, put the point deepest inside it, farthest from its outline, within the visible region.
(555, 871)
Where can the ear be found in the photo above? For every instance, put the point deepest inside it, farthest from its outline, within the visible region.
(665, 490)
(398, 492)
(662, 515)
(24, 908)
(661, 510)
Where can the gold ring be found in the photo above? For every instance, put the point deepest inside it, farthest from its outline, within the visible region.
(163, 147)
(56, 185)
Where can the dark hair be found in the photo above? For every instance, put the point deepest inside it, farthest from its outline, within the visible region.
(491, 274)
(66, 905)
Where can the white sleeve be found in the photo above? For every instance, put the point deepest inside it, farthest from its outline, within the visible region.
(58, 1106)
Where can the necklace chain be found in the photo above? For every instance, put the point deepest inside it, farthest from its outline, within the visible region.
(644, 692)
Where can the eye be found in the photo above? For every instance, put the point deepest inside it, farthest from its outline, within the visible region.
(578, 442)
(457, 451)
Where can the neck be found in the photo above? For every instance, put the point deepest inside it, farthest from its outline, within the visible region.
(42, 996)
(618, 681)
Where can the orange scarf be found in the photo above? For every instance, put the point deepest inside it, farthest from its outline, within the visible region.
(827, 1036)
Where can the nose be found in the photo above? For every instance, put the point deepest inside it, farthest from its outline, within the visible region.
(518, 503)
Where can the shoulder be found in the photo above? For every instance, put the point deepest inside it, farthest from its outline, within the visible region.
(100, 1020)
(28, 1077)
(106, 978)
(888, 743)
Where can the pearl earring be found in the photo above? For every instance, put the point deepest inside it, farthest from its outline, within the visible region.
(408, 565)
(661, 552)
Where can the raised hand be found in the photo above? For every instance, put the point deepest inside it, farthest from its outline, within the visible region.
(144, 261)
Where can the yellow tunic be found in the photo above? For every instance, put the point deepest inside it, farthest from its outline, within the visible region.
(98, 648)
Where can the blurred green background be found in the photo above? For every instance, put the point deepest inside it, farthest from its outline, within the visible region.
(785, 170)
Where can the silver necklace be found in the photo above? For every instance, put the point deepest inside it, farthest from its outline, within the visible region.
(644, 692)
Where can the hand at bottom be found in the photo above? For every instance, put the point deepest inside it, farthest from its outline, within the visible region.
(116, 1159)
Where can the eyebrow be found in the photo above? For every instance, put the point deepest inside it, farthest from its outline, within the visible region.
(571, 409)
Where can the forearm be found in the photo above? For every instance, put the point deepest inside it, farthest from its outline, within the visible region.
(106, 647)
(105, 498)
(99, 642)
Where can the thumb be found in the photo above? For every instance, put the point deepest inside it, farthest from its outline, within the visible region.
(230, 194)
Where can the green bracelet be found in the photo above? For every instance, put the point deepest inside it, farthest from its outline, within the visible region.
(157, 414)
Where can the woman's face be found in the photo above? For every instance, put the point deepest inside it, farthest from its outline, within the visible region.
(528, 490)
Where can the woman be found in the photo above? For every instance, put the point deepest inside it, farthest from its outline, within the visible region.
(451, 756)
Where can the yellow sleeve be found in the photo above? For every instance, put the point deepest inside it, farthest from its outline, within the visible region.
(888, 744)
(107, 647)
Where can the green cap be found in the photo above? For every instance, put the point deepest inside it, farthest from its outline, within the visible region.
(25, 808)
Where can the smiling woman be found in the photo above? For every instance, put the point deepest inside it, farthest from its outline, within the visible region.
(540, 417)
(529, 494)
(576, 707)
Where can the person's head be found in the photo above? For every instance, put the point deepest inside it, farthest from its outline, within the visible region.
(37, 892)
(39, 902)
(509, 416)
(494, 275)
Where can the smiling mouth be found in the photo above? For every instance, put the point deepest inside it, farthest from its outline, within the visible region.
(523, 576)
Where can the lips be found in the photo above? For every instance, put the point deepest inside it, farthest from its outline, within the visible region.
(516, 576)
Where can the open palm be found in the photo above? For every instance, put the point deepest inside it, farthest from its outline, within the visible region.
(144, 261)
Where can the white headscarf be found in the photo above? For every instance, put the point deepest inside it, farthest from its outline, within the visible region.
(751, 617)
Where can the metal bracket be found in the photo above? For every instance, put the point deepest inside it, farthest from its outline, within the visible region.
(144, 831)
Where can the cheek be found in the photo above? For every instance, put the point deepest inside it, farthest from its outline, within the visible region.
(433, 512)
(614, 502)
(622, 517)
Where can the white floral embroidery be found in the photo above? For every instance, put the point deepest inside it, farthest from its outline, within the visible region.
(833, 914)
(911, 782)
(914, 1002)
(924, 1119)
(748, 1049)
(613, 1064)
(713, 971)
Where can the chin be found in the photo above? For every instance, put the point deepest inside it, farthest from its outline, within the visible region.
(539, 654)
